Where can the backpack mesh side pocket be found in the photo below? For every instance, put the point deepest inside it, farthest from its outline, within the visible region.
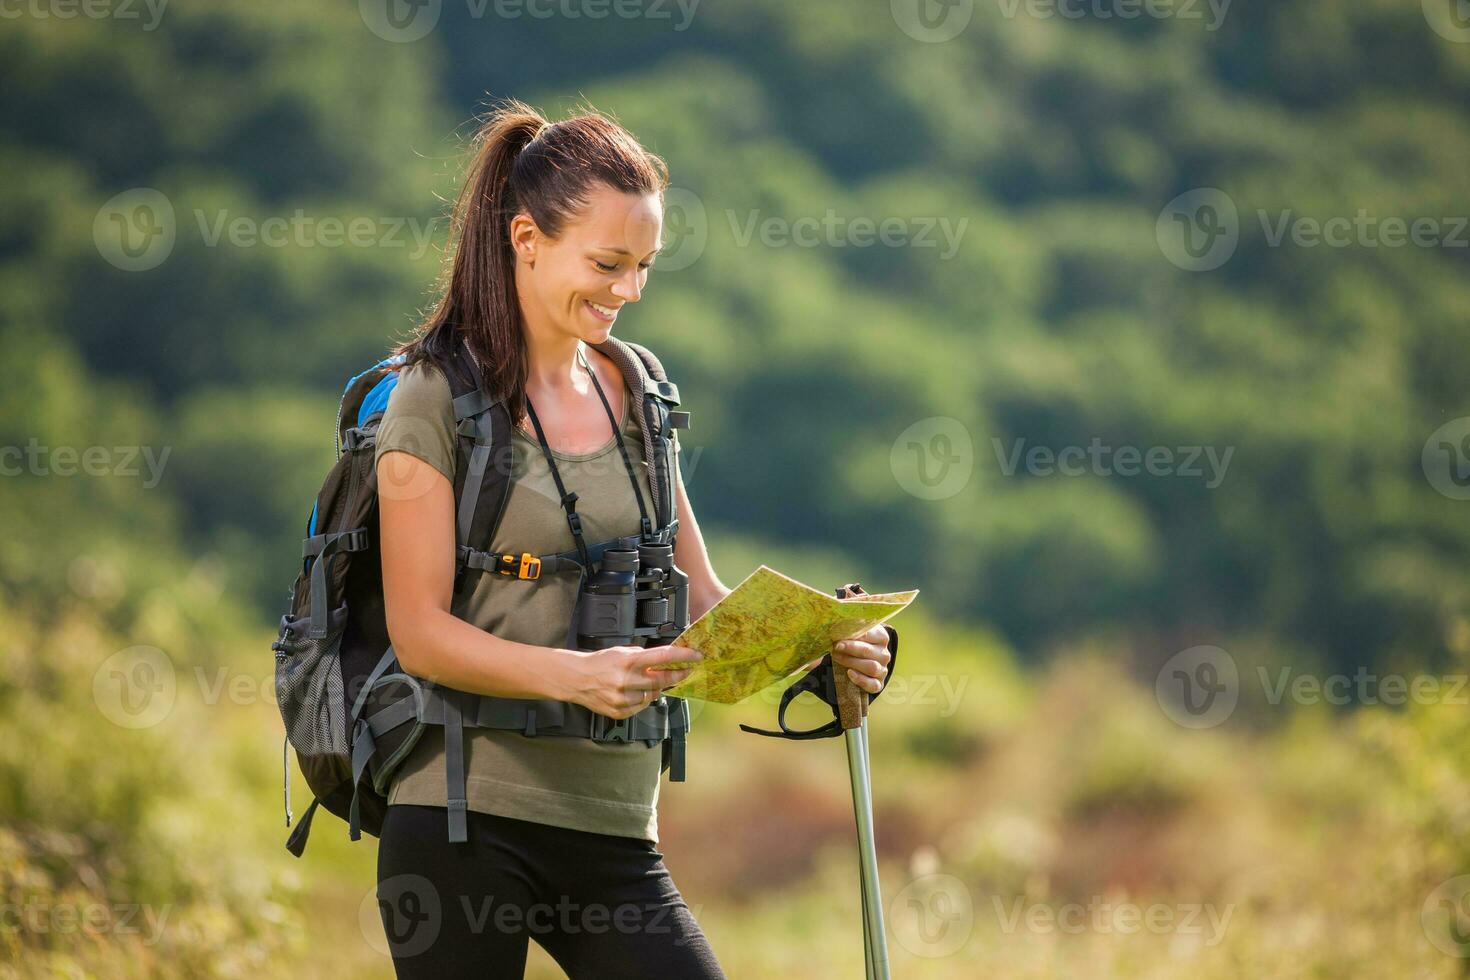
(313, 703)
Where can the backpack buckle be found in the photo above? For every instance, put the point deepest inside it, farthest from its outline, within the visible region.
(605, 729)
(353, 438)
(527, 567)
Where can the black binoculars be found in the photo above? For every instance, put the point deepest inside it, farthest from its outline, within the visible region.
(638, 597)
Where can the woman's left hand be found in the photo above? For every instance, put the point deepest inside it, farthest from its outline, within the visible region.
(866, 658)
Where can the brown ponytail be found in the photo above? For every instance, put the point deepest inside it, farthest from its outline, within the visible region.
(520, 163)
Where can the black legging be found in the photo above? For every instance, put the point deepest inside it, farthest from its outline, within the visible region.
(602, 906)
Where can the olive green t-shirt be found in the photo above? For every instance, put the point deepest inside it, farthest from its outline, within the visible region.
(563, 781)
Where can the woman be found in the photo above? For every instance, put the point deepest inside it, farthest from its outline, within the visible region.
(556, 228)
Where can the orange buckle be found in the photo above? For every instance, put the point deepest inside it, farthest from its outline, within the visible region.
(530, 566)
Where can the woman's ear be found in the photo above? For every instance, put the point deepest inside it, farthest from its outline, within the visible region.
(524, 237)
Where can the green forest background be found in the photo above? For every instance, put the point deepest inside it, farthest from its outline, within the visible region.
(1115, 187)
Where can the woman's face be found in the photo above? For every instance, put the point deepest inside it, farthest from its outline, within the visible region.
(576, 284)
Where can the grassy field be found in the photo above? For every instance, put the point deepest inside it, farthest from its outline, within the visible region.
(1047, 825)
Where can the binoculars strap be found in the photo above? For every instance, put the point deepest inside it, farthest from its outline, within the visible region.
(646, 524)
(568, 500)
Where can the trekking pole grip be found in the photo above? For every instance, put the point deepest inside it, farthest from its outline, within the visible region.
(852, 701)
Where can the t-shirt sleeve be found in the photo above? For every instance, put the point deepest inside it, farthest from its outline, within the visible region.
(419, 419)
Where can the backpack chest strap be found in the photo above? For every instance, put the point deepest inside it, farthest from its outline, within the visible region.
(531, 567)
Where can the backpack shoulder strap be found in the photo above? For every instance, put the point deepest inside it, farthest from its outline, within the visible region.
(485, 454)
(484, 457)
(654, 395)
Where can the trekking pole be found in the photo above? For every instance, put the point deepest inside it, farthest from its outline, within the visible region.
(868, 938)
(849, 704)
(852, 711)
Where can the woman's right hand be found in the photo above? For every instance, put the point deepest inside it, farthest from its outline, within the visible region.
(621, 681)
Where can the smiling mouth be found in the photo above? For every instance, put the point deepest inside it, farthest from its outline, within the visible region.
(607, 314)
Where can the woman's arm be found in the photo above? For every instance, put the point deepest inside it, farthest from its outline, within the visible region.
(705, 587)
(417, 532)
(416, 529)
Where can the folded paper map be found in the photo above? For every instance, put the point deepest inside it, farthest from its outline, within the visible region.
(767, 628)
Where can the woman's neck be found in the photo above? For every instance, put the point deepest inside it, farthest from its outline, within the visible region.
(553, 364)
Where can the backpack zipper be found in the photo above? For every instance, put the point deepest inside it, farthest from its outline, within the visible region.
(337, 429)
(286, 775)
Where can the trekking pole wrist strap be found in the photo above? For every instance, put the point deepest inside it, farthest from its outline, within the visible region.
(821, 682)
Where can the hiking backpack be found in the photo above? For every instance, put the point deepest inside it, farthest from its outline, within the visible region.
(350, 711)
